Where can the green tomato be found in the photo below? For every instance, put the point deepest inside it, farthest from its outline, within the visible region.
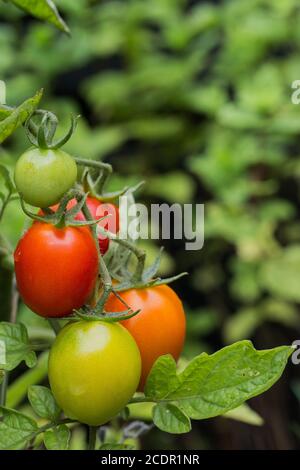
(94, 369)
(43, 176)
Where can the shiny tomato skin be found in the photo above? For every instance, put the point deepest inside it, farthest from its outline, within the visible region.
(160, 326)
(56, 269)
(94, 369)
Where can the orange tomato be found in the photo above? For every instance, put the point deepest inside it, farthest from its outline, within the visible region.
(160, 326)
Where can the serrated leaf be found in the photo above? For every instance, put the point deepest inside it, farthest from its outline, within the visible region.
(169, 418)
(212, 385)
(15, 429)
(17, 347)
(18, 116)
(31, 359)
(43, 402)
(162, 378)
(57, 438)
(44, 10)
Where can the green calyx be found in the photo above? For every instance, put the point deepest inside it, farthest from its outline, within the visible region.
(41, 135)
(63, 217)
(121, 269)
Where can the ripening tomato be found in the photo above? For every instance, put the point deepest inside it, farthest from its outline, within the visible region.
(94, 369)
(43, 176)
(98, 209)
(56, 268)
(160, 326)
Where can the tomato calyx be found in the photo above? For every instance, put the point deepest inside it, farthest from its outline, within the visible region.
(109, 317)
(41, 135)
(141, 277)
(63, 216)
(94, 178)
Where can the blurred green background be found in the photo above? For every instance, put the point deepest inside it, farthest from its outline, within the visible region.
(195, 98)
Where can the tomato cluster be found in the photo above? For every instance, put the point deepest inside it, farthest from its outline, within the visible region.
(94, 367)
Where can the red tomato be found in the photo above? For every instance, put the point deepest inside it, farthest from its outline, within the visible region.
(160, 326)
(56, 269)
(98, 210)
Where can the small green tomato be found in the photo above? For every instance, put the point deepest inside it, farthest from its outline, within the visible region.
(43, 176)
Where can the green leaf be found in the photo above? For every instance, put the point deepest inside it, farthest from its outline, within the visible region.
(169, 418)
(57, 438)
(17, 347)
(15, 429)
(44, 10)
(5, 111)
(162, 378)
(18, 116)
(212, 385)
(43, 402)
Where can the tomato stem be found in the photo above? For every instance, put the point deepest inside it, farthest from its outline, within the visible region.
(140, 254)
(92, 437)
(95, 188)
(52, 425)
(3, 389)
(88, 217)
(141, 400)
(41, 135)
(54, 323)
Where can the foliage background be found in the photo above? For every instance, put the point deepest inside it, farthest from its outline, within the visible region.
(195, 98)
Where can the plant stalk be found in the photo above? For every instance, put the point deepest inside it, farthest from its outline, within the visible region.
(92, 437)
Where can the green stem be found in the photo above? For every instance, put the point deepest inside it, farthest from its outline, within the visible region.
(53, 425)
(88, 217)
(92, 437)
(17, 391)
(105, 167)
(141, 400)
(102, 180)
(3, 389)
(54, 323)
(14, 296)
(140, 254)
(107, 285)
(4, 204)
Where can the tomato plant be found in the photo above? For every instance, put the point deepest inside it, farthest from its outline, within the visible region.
(159, 328)
(56, 268)
(43, 176)
(122, 337)
(94, 370)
